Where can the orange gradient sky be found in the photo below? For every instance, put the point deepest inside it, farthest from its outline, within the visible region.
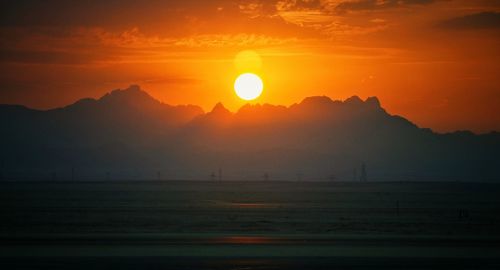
(435, 62)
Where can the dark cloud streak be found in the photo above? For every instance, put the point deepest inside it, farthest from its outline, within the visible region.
(483, 20)
(51, 57)
(368, 5)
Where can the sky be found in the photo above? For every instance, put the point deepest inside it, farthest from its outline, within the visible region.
(435, 62)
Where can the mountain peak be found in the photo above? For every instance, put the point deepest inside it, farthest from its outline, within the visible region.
(83, 102)
(373, 102)
(260, 112)
(133, 87)
(354, 100)
(249, 106)
(317, 100)
(133, 95)
(219, 109)
(132, 90)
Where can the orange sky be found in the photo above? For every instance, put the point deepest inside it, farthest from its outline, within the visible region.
(434, 62)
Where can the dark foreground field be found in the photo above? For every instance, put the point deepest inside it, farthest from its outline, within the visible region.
(244, 225)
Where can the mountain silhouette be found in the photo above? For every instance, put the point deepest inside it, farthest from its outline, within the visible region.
(127, 134)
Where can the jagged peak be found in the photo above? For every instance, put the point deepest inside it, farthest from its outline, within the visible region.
(220, 109)
(196, 108)
(133, 87)
(248, 107)
(82, 102)
(131, 94)
(354, 100)
(373, 101)
(131, 90)
(317, 100)
(260, 108)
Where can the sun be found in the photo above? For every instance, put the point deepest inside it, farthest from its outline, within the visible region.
(248, 86)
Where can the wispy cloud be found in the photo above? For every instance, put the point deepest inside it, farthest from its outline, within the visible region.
(79, 46)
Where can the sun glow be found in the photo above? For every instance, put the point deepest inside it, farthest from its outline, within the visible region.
(248, 86)
(248, 61)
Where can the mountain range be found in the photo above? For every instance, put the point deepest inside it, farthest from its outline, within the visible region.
(128, 135)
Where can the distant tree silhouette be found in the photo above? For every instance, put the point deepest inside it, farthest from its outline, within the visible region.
(212, 176)
(332, 177)
(363, 177)
(266, 176)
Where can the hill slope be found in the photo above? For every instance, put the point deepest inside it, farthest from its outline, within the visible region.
(126, 134)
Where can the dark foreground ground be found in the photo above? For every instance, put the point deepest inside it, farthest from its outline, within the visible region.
(244, 225)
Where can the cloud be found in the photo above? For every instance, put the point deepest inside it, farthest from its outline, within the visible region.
(80, 46)
(331, 19)
(288, 5)
(256, 9)
(196, 27)
(368, 5)
(303, 19)
(225, 41)
(483, 20)
(50, 57)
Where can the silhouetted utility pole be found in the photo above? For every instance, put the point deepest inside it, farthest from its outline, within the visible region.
(220, 174)
(2, 171)
(363, 177)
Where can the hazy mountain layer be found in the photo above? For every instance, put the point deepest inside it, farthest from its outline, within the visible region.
(127, 134)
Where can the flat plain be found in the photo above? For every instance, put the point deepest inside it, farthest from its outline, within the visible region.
(249, 225)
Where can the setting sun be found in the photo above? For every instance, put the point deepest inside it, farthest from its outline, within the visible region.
(248, 86)
(133, 123)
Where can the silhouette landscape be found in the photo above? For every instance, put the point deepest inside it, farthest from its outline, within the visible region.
(128, 135)
(250, 134)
